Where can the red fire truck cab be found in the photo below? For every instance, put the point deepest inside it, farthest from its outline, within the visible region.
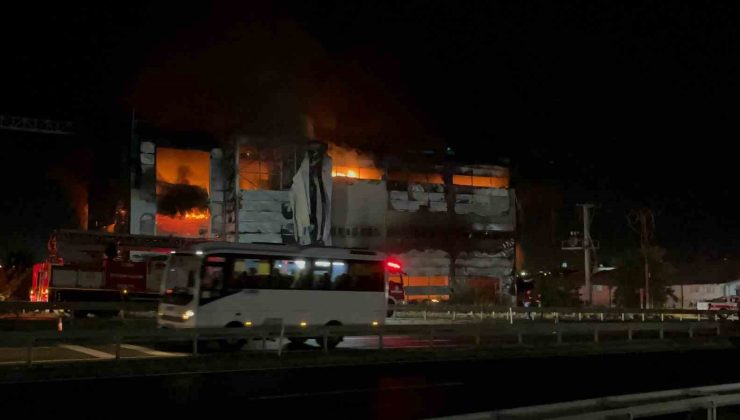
(97, 266)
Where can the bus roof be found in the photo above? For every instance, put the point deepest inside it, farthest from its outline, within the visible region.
(287, 250)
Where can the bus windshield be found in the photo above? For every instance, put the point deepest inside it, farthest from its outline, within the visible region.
(179, 279)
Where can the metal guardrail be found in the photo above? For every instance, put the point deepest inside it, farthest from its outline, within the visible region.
(476, 333)
(708, 399)
(519, 309)
(510, 313)
(16, 307)
(480, 310)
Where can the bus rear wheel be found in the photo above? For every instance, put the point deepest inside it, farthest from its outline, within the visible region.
(332, 341)
(389, 314)
(232, 344)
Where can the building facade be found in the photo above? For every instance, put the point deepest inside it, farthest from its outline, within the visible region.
(451, 226)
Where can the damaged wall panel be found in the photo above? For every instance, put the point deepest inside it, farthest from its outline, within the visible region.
(264, 216)
(358, 213)
(484, 202)
(143, 193)
(482, 264)
(418, 196)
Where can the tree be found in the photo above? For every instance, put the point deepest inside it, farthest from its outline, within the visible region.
(630, 277)
(559, 289)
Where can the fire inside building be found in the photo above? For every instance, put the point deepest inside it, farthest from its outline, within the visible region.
(451, 226)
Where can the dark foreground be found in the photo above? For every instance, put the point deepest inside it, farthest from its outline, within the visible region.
(388, 390)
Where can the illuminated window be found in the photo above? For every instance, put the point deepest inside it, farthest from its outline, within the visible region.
(179, 166)
(183, 183)
(480, 181)
(357, 172)
(249, 273)
(351, 163)
(254, 174)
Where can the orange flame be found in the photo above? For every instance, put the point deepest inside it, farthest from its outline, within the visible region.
(196, 214)
(350, 163)
(193, 223)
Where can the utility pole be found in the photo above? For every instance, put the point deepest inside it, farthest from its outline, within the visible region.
(643, 247)
(587, 245)
(647, 223)
(587, 250)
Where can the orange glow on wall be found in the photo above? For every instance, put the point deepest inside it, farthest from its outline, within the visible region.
(254, 174)
(439, 298)
(425, 280)
(176, 166)
(480, 181)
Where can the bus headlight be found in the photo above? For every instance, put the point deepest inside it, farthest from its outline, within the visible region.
(187, 315)
(375, 323)
(304, 324)
(247, 323)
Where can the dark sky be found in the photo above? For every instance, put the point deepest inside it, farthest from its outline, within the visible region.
(621, 103)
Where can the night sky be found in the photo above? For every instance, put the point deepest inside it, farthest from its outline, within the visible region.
(623, 104)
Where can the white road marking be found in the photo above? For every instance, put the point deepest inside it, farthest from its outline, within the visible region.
(88, 351)
(151, 352)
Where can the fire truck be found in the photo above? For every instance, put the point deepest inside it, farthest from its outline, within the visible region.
(396, 293)
(102, 267)
(725, 303)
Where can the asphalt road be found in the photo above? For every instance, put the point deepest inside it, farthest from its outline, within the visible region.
(82, 352)
(75, 352)
(389, 391)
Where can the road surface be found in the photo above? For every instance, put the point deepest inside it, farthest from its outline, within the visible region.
(74, 352)
(389, 391)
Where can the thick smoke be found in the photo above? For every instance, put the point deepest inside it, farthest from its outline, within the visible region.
(262, 79)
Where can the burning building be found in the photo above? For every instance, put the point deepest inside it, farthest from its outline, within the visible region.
(451, 226)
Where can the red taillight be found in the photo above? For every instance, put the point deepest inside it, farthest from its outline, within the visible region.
(393, 266)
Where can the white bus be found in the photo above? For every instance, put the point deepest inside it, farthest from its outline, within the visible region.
(238, 285)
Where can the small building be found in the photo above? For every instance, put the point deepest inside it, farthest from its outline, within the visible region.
(690, 283)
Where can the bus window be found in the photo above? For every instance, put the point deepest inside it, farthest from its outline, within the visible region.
(340, 278)
(367, 276)
(303, 278)
(338, 268)
(212, 280)
(287, 273)
(249, 273)
(322, 274)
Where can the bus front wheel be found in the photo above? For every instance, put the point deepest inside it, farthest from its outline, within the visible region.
(232, 344)
(331, 341)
